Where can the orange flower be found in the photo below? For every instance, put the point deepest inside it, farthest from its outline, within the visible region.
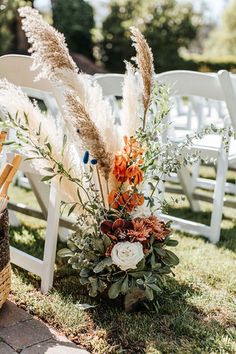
(134, 174)
(120, 166)
(132, 201)
(113, 199)
(138, 199)
(132, 148)
(126, 199)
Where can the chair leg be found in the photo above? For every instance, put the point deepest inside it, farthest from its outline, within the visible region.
(51, 238)
(41, 191)
(186, 183)
(195, 173)
(219, 193)
(14, 221)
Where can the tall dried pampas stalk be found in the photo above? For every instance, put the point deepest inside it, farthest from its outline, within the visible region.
(50, 52)
(51, 56)
(92, 140)
(144, 60)
(131, 95)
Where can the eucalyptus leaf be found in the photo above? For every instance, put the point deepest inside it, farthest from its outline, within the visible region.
(85, 306)
(101, 285)
(149, 293)
(115, 289)
(94, 286)
(106, 241)
(171, 257)
(106, 262)
(72, 208)
(160, 251)
(154, 287)
(84, 272)
(172, 243)
(65, 252)
(125, 285)
(47, 178)
(140, 281)
(99, 245)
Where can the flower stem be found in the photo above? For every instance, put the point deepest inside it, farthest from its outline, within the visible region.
(100, 186)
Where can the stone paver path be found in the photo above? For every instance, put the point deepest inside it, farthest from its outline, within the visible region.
(22, 333)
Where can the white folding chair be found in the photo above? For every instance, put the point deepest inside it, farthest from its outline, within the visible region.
(211, 112)
(112, 89)
(16, 69)
(187, 83)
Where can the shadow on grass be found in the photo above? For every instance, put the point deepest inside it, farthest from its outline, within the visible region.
(179, 327)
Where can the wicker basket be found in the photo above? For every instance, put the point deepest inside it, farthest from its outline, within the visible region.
(5, 269)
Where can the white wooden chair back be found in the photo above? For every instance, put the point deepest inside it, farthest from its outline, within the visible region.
(16, 69)
(111, 84)
(196, 86)
(210, 86)
(228, 84)
(192, 83)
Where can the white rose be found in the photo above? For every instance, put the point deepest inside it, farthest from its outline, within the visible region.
(126, 255)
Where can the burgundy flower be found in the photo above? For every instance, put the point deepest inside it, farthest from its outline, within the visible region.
(117, 230)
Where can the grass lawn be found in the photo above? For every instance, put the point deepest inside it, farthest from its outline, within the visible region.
(198, 306)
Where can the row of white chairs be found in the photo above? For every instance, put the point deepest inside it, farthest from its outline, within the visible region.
(220, 87)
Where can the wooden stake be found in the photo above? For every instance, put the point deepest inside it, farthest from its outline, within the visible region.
(16, 163)
(8, 167)
(3, 136)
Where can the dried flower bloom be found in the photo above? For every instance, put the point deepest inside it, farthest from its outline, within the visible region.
(144, 60)
(144, 228)
(86, 129)
(50, 52)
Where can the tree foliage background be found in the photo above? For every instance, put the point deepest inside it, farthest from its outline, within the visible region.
(222, 40)
(167, 25)
(75, 18)
(10, 34)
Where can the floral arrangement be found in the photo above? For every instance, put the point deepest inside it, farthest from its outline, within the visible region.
(109, 176)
